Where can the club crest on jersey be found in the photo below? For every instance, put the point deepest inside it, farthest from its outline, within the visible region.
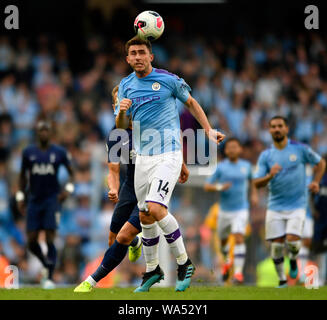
(293, 157)
(156, 86)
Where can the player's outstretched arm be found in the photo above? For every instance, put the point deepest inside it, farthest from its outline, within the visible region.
(113, 181)
(198, 113)
(319, 171)
(217, 187)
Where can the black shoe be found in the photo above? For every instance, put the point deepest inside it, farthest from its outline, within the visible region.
(282, 284)
(184, 274)
(149, 279)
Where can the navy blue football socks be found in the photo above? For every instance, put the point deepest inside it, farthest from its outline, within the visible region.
(112, 258)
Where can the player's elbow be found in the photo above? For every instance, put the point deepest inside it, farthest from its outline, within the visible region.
(257, 183)
(323, 164)
(190, 102)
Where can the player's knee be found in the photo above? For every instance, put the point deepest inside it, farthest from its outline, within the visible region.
(146, 218)
(156, 210)
(125, 238)
(292, 237)
(112, 238)
(239, 238)
(278, 240)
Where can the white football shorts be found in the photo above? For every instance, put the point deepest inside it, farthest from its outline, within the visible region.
(280, 223)
(232, 222)
(156, 177)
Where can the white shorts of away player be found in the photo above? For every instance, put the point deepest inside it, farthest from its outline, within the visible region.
(232, 222)
(156, 177)
(308, 228)
(280, 223)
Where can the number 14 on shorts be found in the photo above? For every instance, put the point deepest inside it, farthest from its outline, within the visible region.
(163, 187)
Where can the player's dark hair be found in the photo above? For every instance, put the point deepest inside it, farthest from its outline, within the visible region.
(113, 92)
(137, 41)
(279, 117)
(233, 139)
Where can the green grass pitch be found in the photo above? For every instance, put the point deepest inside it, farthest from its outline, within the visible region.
(194, 293)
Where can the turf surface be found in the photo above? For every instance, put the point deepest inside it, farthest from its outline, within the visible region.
(194, 293)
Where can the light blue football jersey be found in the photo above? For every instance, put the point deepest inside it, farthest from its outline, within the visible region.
(288, 189)
(156, 125)
(238, 174)
(309, 177)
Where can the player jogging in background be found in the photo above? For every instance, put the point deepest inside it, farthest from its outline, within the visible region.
(125, 223)
(282, 168)
(40, 190)
(232, 179)
(148, 96)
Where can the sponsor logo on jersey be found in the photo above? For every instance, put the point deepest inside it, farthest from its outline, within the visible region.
(156, 86)
(293, 157)
(142, 99)
(52, 157)
(43, 169)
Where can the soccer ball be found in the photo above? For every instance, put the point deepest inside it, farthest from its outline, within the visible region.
(149, 25)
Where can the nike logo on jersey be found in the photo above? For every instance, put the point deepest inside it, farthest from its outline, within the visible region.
(124, 143)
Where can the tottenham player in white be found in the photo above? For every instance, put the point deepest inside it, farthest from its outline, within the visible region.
(282, 168)
(149, 95)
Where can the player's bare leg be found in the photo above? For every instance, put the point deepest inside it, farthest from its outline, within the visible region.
(111, 239)
(112, 257)
(293, 244)
(239, 258)
(277, 254)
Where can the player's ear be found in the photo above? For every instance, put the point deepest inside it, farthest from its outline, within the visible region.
(151, 57)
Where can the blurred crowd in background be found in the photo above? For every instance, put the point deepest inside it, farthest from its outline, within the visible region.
(240, 83)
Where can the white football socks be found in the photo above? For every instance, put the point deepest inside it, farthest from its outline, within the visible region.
(150, 240)
(277, 254)
(239, 257)
(91, 281)
(293, 248)
(171, 231)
